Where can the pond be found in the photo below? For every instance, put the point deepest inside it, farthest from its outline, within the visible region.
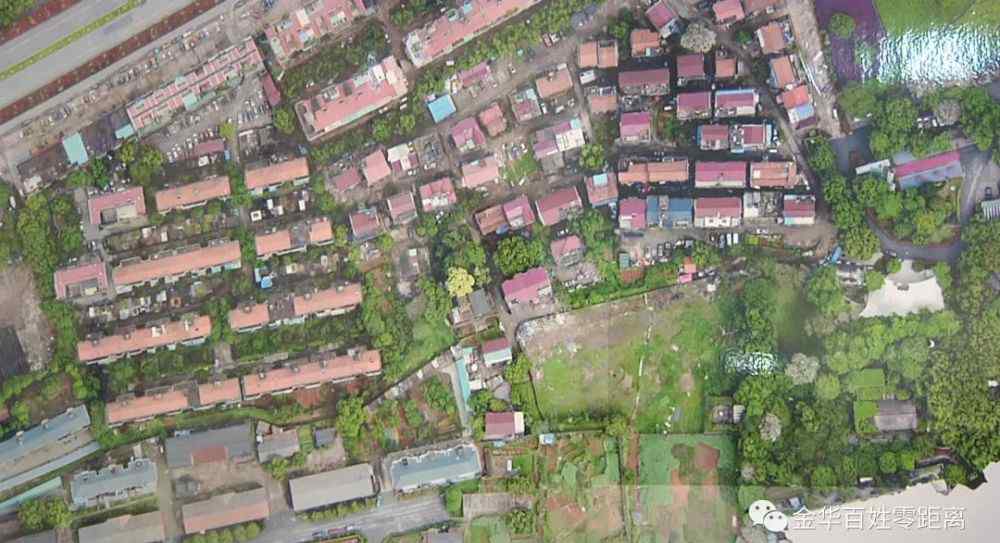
(935, 54)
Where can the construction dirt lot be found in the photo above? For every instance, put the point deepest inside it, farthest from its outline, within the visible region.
(20, 309)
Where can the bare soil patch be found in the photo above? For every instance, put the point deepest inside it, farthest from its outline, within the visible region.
(20, 309)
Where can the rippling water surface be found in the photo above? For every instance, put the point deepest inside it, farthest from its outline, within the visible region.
(938, 56)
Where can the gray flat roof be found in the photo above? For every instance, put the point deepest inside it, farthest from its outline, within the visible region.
(281, 444)
(89, 485)
(72, 421)
(331, 487)
(231, 442)
(144, 528)
(436, 467)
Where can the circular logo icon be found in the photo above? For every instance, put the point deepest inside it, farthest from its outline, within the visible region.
(759, 509)
(775, 521)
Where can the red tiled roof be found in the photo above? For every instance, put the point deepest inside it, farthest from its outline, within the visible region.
(479, 172)
(773, 174)
(375, 168)
(799, 96)
(276, 174)
(728, 11)
(603, 103)
(190, 194)
(334, 298)
(144, 407)
(496, 345)
(660, 14)
(348, 101)
(524, 287)
(743, 98)
(475, 75)
(711, 133)
(249, 316)
(209, 147)
(752, 134)
(348, 179)
(271, 91)
(594, 54)
(318, 231)
(365, 223)
(143, 338)
(720, 172)
(176, 264)
(224, 510)
(518, 212)
(632, 211)
(721, 206)
(772, 38)
(671, 171)
(491, 219)
(438, 194)
(926, 164)
(691, 66)
(131, 197)
(563, 246)
(227, 390)
(638, 78)
(799, 206)
(602, 194)
(554, 84)
(503, 425)
(321, 369)
(725, 67)
(694, 101)
(492, 119)
(467, 135)
(401, 204)
(783, 71)
(551, 208)
(635, 124)
(74, 275)
(642, 39)
(274, 242)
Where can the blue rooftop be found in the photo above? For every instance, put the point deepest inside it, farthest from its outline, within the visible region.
(680, 204)
(126, 131)
(76, 152)
(442, 108)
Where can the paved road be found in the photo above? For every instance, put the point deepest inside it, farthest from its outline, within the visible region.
(80, 51)
(398, 517)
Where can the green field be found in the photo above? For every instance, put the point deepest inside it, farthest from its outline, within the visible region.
(899, 16)
(684, 494)
(613, 367)
(792, 311)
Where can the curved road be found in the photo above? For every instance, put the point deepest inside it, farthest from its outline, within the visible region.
(980, 172)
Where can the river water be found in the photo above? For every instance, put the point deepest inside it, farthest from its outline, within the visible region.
(941, 56)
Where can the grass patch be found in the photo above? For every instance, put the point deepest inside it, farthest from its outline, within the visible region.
(792, 310)
(525, 166)
(488, 530)
(863, 413)
(73, 36)
(655, 382)
(429, 340)
(867, 384)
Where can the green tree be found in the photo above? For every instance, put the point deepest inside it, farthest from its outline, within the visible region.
(823, 290)
(823, 478)
(592, 157)
(351, 415)
(860, 99)
(874, 280)
(943, 273)
(827, 387)
(284, 120)
(44, 513)
(516, 254)
(460, 283)
(438, 395)
(842, 24)
(227, 130)
(888, 463)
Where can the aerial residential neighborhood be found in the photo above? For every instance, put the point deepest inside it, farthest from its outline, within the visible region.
(482, 271)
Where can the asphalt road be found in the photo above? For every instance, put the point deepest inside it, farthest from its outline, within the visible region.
(390, 518)
(77, 53)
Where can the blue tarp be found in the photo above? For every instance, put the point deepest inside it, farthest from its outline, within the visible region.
(442, 108)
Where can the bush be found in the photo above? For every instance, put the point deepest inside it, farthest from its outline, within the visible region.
(842, 25)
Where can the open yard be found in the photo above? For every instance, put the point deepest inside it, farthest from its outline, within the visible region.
(792, 311)
(639, 356)
(682, 496)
